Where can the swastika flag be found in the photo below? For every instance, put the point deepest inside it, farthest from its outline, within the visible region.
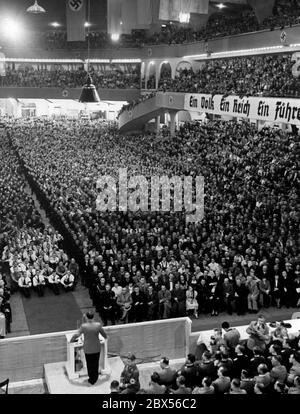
(76, 16)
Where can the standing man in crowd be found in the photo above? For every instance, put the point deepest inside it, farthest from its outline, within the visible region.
(258, 334)
(91, 330)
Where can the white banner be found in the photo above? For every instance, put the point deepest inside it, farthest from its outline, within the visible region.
(2, 64)
(265, 109)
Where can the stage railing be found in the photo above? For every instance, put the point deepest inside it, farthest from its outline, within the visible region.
(23, 358)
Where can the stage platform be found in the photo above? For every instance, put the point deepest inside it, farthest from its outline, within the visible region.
(58, 382)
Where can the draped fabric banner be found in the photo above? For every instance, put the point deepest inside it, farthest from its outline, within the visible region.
(2, 64)
(76, 16)
(129, 15)
(170, 9)
(198, 6)
(144, 13)
(114, 16)
(262, 9)
(264, 109)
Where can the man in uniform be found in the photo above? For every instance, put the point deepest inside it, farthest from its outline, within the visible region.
(130, 383)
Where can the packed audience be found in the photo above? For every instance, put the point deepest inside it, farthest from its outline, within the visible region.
(266, 75)
(62, 78)
(227, 365)
(31, 254)
(146, 265)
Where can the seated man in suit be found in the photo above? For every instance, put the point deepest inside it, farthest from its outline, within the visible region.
(154, 386)
(138, 307)
(152, 303)
(222, 383)
(164, 297)
(167, 376)
(67, 281)
(190, 371)
(206, 367)
(182, 389)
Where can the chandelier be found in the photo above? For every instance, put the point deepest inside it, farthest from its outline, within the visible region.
(36, 8)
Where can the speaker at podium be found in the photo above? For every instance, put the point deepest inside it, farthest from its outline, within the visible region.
(76, 362)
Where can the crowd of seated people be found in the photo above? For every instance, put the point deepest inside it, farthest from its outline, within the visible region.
(37, 262)
(267, 75)
(30, 255)
(227, 365)
(144, 265)
(63, 78)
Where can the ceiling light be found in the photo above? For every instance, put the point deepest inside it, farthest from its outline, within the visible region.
(220, 6)
(12, 29)
(115, 37)
(54, 24)
(184, 17)
(36, 8)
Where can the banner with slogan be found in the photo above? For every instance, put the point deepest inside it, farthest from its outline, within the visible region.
(2, 64)
(283, 110)
(76, 16)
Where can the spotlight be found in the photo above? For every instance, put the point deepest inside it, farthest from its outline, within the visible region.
(12, 29)
(220, 6)
(115, 37)
(184, 17)
(55, 24)
(87, 24)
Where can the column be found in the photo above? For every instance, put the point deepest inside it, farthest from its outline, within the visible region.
(157, 124)
(172, 123)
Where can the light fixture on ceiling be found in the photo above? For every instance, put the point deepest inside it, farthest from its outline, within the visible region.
(89, 92)
(115, 37)
(54, 24)
(220, 6)
(36, 8)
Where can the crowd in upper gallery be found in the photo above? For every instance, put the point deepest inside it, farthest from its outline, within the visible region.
(145, 265)
(263, 75)
(218, 25)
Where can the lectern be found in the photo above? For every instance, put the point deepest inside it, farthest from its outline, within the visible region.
(76, 363)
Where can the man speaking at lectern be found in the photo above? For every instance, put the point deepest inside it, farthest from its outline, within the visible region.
(91, 346)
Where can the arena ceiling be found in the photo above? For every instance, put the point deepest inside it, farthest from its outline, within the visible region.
(56, 11)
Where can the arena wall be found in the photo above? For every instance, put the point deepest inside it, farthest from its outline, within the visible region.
(72, 93)
(261, 38)
(23, 358)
